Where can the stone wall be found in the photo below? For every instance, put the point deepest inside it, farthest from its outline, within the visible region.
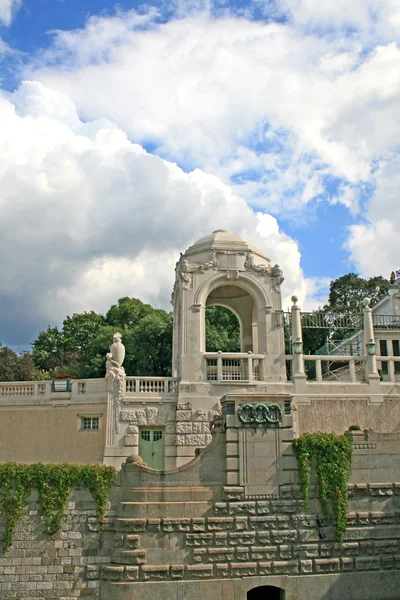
(200, 545)
(334, 413)
(258, 539)
(186, 535)
(66, 565)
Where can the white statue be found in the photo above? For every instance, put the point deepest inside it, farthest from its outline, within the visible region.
(115, 375)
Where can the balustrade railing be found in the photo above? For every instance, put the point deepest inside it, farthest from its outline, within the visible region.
(237, 366)
(335, 367)
(151, 385)
(386, 321)
(44, 389)
(389, 367)
(17, 389)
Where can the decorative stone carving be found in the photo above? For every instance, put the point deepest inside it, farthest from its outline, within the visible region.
(260, 414)
(274, 272)
(217, 425)
(276, 278)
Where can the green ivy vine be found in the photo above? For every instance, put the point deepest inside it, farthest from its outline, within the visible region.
(54, 483)
(330, 455)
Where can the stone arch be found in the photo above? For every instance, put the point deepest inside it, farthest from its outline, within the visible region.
(229, 308)
(250, 310)
(266, 592)
(244, 281)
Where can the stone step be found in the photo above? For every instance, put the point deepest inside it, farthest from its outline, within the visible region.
(160, 510)
(171, 494)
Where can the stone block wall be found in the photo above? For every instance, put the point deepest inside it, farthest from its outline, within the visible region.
(241, 538)
(66, 565)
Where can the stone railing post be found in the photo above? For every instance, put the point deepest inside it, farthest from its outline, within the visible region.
(369, 341)
(250, 367)
(297, 342)
(219, 366)
(371, 370)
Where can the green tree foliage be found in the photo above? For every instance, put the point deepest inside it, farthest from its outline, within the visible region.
(222, 330)
(82, 343)
(48, 350)
(346, 295)
(151, 345)
(14, 367)
(79, 330)
(128, 312)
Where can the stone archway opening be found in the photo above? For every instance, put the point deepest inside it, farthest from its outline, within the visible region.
(266, 592)
(241, 303)
(222, 330)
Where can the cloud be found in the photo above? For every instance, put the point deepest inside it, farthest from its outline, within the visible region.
(374, 244)
(7, 8)
(88, 216)
(269, 108)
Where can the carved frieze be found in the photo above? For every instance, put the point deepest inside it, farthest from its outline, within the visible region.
(260, 414)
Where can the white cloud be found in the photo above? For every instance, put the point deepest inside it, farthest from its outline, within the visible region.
(7, 8)
(263, 105)
(375, 244)
(88, 216)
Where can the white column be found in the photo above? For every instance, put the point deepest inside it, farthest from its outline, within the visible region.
(352, 369)
(371, 369)
(219, 367)
(250, 367)
(298, 364)
(318, 369)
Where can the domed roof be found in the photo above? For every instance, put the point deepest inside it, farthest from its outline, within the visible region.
(222, 239)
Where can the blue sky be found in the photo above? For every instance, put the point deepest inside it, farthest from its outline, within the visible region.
(129, 130)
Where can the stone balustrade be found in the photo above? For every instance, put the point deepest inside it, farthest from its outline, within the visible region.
(389, 367)
(332, 367)
(158, 386)
(233, 366)
(36, 392)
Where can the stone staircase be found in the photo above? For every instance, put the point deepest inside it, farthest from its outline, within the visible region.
(150, 535)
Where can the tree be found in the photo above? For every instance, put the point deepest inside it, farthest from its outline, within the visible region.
(347, 293)
(79, 330)
(14, 367)
(222, 330)
(49, 351)
(128, 312)
(345, 302)
(151, 344)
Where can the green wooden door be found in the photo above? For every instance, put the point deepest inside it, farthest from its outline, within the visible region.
(152, 447)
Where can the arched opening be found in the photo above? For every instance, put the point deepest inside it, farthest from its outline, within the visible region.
(266, 592)
(222, 330)
(241, 303)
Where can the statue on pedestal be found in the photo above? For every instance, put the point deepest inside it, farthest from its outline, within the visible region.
(115, 375)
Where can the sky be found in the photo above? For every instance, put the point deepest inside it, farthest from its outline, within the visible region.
(130, 130)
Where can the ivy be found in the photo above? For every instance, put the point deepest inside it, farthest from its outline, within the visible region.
(54, 483)
(330, 455)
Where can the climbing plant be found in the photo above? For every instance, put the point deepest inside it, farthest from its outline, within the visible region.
(330, 455)
(54, 483)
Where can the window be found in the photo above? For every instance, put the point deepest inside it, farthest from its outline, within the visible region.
(384, 352)
(157, 436)
(396, 352)
(89, 423)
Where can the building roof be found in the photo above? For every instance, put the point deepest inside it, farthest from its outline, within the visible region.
(222, 239)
